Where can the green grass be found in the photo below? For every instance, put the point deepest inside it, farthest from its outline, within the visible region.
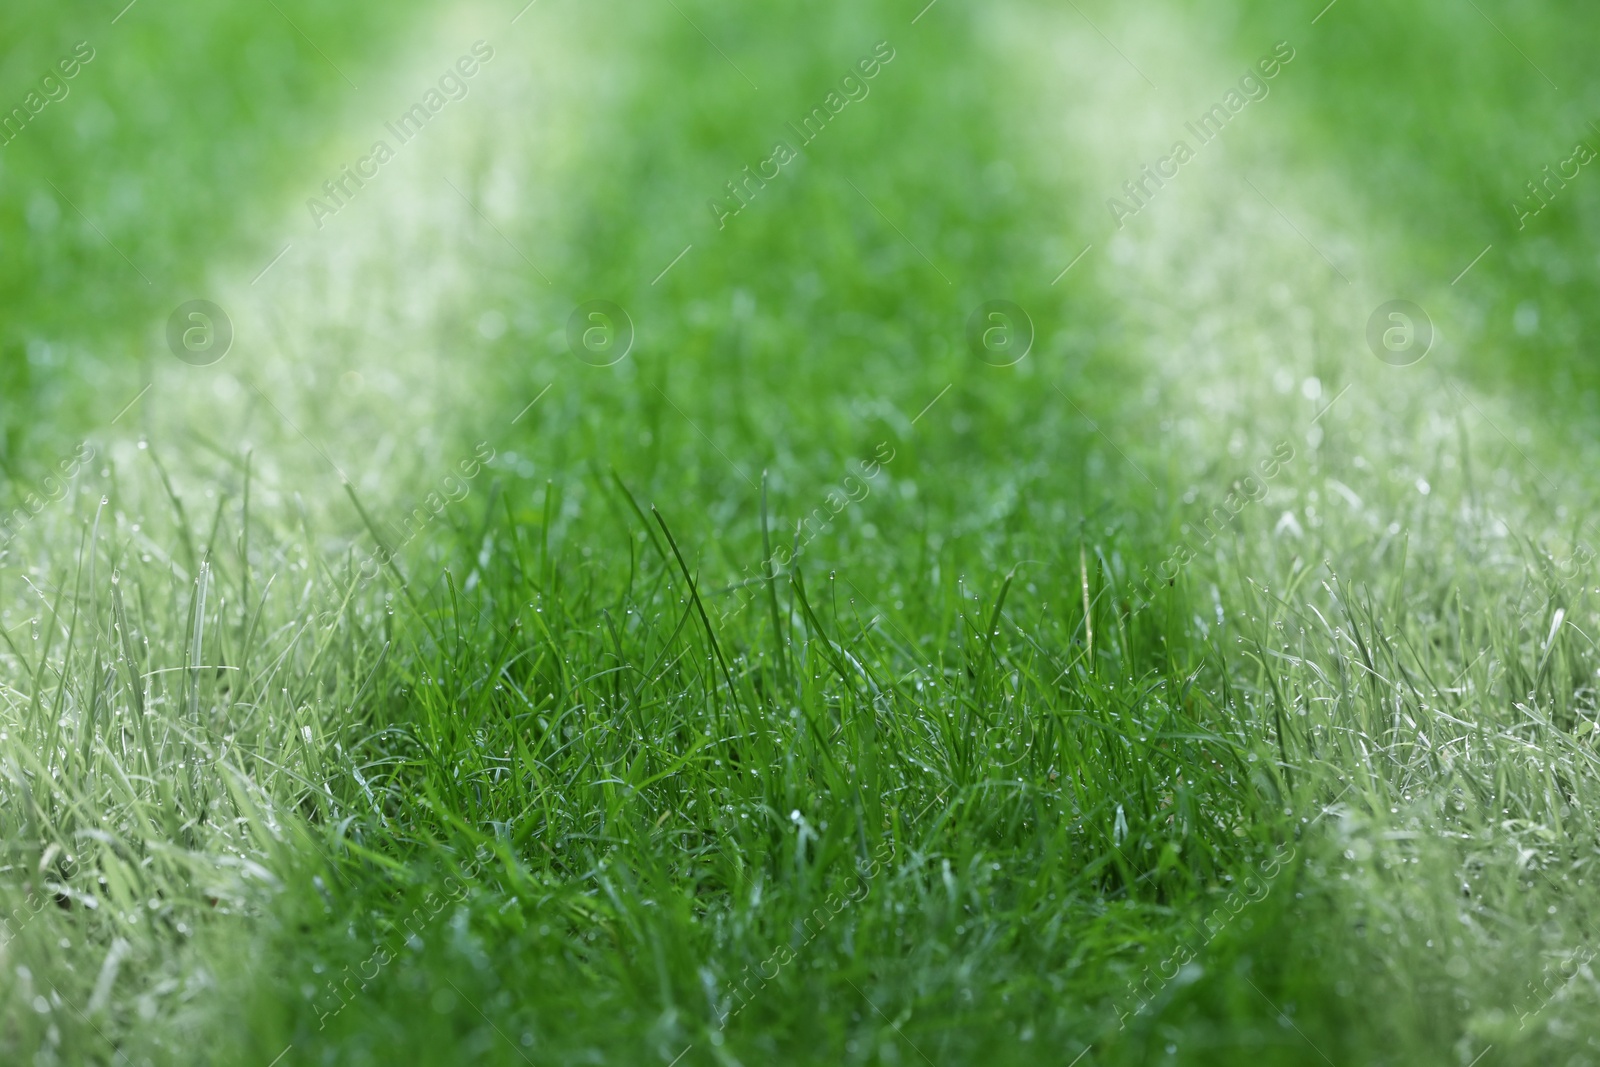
(606, 767)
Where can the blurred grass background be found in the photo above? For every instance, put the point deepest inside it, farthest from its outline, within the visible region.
(1432, 117)
(176, 143)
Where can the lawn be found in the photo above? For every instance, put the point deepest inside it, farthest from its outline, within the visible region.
(852, 534)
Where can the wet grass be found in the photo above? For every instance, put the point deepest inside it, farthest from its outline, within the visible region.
(783, 692)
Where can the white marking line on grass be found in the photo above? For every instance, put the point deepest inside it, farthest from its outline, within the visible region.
(681, 1055)
(1323, 12)
(124, 11)
(924, 11)
(532, 402)
(674, 263)
(524, 11)
(1474, 263)
(1507, 439)
(132, 402)
(343, 477)
(1332, 402)
(899, 231)
(1479, 1056)
(1086, 1048)
(1114, 48)
(496, 229)
(932, 402)
(713, 44)
(282, 1054)
(274, 263)
(97, 229)
(1296, 229)
(1063, 274)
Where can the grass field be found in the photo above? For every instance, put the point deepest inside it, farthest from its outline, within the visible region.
(797, 663)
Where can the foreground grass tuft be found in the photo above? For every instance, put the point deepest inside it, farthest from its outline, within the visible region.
(803, 688)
